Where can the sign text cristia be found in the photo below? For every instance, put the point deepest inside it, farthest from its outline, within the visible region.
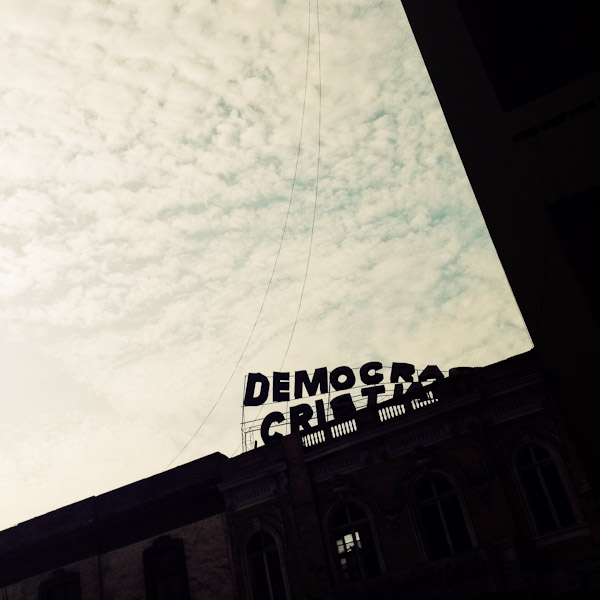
(320, 382)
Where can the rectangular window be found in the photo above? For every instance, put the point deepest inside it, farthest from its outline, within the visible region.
(164, 570)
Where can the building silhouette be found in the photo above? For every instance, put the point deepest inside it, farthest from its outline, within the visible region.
(470, 487)
(519, 84)
(484, 484)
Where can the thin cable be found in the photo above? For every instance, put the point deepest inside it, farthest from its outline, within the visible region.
(237, 364)
(312, 230)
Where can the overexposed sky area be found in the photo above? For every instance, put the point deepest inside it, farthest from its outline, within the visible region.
(147, 153)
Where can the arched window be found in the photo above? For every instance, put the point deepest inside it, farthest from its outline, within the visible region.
(544, 489)
(354, 551)
(441, 517)
(264, 567)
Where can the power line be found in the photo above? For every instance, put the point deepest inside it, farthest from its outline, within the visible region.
(260, 310)
(312, 230)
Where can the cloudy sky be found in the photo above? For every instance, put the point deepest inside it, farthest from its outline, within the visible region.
(147, 154)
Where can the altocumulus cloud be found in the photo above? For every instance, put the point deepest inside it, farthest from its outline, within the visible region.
(147, 151)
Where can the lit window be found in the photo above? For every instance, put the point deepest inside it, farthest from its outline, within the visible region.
(61, 586)
(264, 565)
(164, 570)
(355, 555)
(441, 517)
(544, 489)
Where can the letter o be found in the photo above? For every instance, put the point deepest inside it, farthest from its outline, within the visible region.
(347, 383)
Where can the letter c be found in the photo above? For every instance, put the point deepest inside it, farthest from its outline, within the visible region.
(274, 417)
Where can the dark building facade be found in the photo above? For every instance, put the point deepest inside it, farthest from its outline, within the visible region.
(519, 84)
(470, 487)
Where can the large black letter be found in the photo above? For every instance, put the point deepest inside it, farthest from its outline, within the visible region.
(369, 379)
(398, 391)
(249, 398)
(343, 408)
(281, 387)
(274, 417)
(431, 372)
(415, 390)
(338, 372)
(300, 415)
(372, 392)
(319, 381)
(321, 420)
(404, 370)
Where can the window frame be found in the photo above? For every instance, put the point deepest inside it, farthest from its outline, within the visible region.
(331, 544)
(416, 512)
(262, 528)
(530, 511)
(151, 553)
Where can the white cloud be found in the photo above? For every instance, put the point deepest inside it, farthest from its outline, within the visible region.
(147, 151)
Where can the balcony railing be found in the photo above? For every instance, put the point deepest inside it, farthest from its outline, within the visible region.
(383, 412)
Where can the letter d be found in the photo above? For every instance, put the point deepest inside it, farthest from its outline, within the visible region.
(250, 398)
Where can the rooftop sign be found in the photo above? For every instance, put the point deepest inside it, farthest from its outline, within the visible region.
(374, 385)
